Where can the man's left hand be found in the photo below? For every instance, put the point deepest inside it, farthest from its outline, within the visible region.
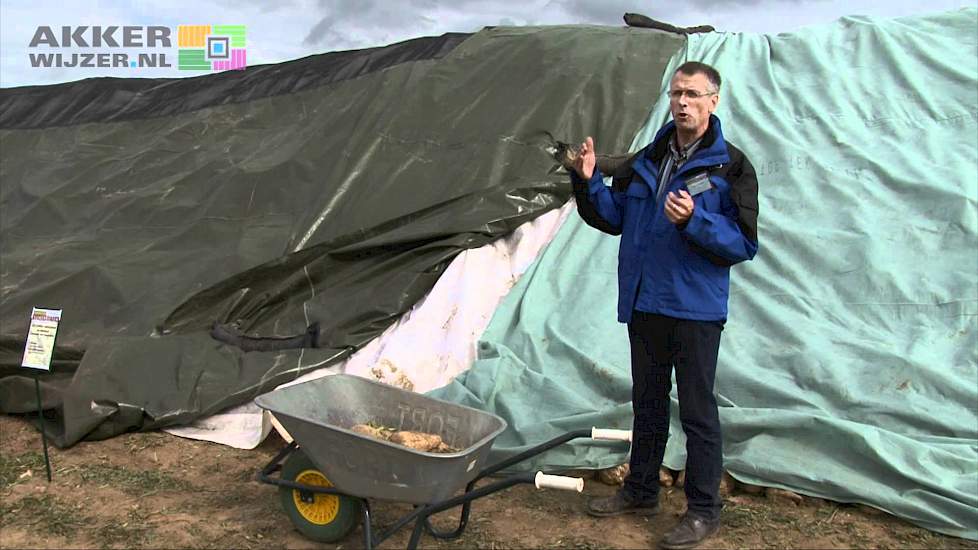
(679, 207)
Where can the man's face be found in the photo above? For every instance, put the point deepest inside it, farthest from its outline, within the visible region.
(692, 114)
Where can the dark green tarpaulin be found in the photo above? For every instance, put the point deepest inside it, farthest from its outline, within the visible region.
(337, 204)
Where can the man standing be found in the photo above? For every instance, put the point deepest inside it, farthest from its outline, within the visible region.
(686, 212)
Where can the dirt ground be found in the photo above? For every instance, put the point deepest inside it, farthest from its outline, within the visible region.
(154, 490)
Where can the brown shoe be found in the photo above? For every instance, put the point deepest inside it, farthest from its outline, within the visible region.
(690, 533)
(618, 504)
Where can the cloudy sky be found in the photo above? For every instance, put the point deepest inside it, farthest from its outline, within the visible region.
(289, 29)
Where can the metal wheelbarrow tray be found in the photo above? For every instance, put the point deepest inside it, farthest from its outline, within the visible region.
(319, 414)
(329, 472)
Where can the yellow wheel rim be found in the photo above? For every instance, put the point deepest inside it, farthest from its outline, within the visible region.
(323, 509)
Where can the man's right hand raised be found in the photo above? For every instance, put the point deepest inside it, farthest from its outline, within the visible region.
(584, 163)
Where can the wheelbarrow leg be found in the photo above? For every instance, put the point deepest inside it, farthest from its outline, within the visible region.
(368, 542)
(418, 529)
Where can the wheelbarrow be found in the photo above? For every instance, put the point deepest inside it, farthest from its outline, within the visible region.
(329, 473)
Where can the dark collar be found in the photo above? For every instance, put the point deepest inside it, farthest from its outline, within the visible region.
(660, 147)
(682, 151)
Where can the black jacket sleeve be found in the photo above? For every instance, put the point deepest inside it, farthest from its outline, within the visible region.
(743, 191)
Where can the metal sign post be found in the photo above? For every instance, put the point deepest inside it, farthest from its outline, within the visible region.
(44, 435)
(37, 355)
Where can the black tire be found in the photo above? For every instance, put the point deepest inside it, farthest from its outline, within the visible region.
(329, 518)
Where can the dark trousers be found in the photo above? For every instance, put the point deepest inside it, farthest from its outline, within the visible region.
(658, 343)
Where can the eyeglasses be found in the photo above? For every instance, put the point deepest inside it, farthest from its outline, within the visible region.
(691, 94)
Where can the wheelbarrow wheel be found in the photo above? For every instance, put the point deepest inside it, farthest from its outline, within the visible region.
(318, 516)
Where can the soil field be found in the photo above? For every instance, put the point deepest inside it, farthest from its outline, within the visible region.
(154, 490)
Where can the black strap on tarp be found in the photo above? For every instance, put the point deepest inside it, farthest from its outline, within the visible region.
(229, 334)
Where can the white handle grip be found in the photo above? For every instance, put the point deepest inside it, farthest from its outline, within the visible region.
(605, 433)
(546, 481)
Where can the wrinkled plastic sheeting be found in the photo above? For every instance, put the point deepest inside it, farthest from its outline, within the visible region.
(429, 345)
(339, 205)
(848, 368)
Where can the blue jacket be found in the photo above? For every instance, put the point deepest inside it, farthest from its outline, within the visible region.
(681, 272)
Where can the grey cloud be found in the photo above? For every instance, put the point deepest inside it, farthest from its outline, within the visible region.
(347, 23)
(427, 4)
(344, 24)
(262, 7)
(602, 13)
(722, 4)
(611, 12)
